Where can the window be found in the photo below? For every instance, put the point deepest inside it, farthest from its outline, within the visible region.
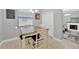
(26, 21)
(10, 14)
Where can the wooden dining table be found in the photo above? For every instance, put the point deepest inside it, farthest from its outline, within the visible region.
(34, 35)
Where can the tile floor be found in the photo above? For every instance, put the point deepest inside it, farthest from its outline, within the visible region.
(52, 44)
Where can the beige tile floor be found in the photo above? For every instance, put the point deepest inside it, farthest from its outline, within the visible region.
(52, 44)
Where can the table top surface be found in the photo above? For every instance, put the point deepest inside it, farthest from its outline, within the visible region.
(36, 30)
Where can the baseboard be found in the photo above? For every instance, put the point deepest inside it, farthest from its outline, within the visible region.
(60, 40)
(56, 38)
(8, 40)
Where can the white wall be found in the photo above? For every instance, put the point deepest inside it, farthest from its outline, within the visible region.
(53, 19)
(58, 23)
(1, 22)
(47, 20)
(9, 25)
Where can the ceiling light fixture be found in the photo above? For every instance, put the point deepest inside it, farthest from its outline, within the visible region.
(31, 11)
(67, 15)
(36, 11)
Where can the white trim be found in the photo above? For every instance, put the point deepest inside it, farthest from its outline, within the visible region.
(8, 40)
(60, 40)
